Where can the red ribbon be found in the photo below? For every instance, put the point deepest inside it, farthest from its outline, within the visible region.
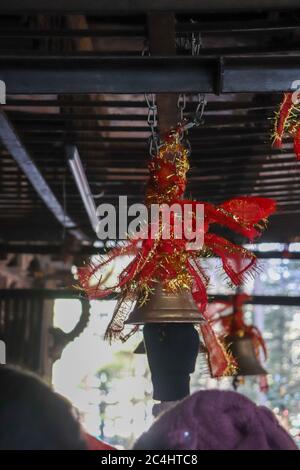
(163, 260)
(234, 324)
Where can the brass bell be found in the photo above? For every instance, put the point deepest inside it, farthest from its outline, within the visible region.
(243, 351)
(166, 307)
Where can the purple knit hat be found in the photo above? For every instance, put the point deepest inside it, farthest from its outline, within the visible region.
(216, 420)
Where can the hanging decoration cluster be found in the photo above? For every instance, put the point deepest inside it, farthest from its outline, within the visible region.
(169, 261)
(232, 324)
(287, 123)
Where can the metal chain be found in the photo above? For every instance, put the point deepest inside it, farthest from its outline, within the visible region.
(194, 44)
(152, 112)
(196, 120)
(190, 43)
(152, 122)
(181, 105)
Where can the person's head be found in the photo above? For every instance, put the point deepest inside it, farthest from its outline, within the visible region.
(32, 416)
(216, 420)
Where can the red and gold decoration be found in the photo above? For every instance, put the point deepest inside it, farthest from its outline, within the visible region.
(169, 262)
(245, 341)
(287, 123)
(233, 324)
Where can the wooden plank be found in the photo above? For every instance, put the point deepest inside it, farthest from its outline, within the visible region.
(161, 33)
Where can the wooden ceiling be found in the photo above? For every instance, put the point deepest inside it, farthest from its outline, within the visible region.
(246, 60)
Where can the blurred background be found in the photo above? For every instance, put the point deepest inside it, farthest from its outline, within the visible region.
(111, 386)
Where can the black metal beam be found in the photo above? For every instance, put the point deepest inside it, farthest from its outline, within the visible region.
(102, 7)
(30, 75)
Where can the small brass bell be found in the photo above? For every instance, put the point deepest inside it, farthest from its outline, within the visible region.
(166, 307)
(243, 351)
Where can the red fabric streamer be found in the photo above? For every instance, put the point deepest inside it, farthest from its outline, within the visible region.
(171, 262)
(234, 324)
(297, 142)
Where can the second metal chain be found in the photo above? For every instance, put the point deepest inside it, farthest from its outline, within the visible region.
(154, 140)
(152, 122)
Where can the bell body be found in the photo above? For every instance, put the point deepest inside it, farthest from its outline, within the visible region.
(170, 341)
(172, 350)
(243, 351)
(165, 307)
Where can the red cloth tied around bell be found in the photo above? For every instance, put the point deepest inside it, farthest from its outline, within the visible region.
(297, 142)
(237, 261)
(167, 171)
(220, 363)
(91, 278)
(244, 213)
(166, 176)
(234, 324)
(171, 261)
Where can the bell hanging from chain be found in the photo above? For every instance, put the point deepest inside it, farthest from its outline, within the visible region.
(166, 307)
(243, 351)
(170, 341)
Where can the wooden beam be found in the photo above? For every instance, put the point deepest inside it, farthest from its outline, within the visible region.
(161, 34)
(17, 150)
